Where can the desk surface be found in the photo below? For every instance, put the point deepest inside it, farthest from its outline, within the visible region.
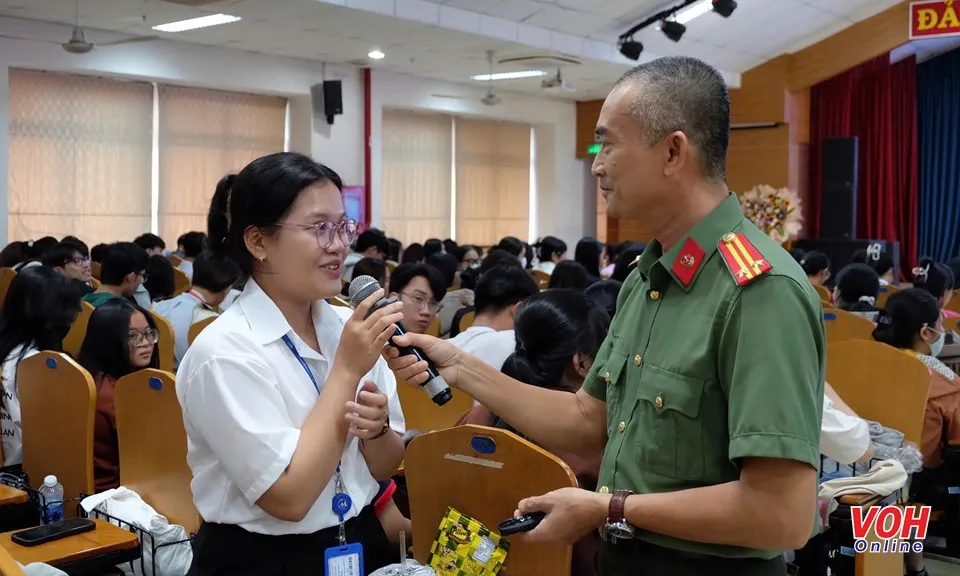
(106, 538)
(10, 495)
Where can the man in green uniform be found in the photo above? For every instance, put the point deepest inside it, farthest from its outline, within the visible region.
(706, 396)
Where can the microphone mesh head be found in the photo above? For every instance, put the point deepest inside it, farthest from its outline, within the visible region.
(361, 288)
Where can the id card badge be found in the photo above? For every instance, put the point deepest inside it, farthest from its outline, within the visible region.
(344, 560)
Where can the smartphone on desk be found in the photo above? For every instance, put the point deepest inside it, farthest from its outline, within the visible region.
(53, 531)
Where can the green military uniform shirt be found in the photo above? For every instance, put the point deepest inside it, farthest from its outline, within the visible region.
(708, 362)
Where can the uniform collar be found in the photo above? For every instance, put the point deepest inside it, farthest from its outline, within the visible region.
(684, 261)
(269, 325)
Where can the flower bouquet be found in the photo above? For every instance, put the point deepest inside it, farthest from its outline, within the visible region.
(776, 212)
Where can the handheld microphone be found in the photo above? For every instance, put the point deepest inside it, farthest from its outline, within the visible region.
(436, 387)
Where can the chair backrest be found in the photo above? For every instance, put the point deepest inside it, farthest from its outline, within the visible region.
(94, 283)
(153, 445)
(954, 303)
(542, 278)
(174, 259)
(9, 566)
(483, 472)
(435, 327)
(467, 320)
(58, 400)
(841, 325)
(78, 330)
(6, 277)
(166, 341)
(880, 383)
(883, 293)
(95, 270)
(823, 293)
(181, 282)
(420, 413)
(197, 327)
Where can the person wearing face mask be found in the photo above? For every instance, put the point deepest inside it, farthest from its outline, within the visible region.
(911, 321)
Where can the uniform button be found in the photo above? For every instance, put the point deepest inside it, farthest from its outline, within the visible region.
(654, 295)
(621, 427)
(606, 377)
(729, 237)
(604, 490)
(638, 359)
(659, 402)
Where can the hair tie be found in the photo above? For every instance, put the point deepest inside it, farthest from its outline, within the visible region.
(868, 299)
(921, 273)
(883, 318)
(803, 262)
(874, 251)
(29, 243)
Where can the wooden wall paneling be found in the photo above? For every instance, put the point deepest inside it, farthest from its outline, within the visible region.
(758, 156)
(587, 114)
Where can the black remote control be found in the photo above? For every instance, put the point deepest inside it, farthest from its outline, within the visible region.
(521, 524)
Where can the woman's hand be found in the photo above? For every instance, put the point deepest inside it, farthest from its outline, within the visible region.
(369, 414)
(363, 338)
(444, 355)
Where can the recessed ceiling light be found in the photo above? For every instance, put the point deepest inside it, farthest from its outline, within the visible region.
(509, 75)
(694, 10)
(195, 23)
(376, 55)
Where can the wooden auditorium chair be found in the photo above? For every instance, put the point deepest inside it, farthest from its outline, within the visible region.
(883, 293)
(57, 404)
(6, 277)
(181, 282)
(9, 566)
(420, 413)
(153, 445)
(483, 472)
(542, 278)
(823, 293)
(841, 325)
(197, 327)
(95, 270)
(78, 330)
(166, 342)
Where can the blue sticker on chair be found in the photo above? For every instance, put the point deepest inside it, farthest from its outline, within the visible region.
(829, 316)
(156, 383)
(51, 362)
(883, 290)
(483, 444)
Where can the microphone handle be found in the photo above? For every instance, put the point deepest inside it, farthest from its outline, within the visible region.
(413, 350)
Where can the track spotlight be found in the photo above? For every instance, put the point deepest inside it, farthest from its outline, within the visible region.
(630, 48)
(672, 30)
(724, 7)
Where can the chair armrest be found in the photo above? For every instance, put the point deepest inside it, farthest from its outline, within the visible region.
(861, 499)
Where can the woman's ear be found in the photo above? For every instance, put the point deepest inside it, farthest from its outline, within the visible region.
(582, 364)
(253, 238)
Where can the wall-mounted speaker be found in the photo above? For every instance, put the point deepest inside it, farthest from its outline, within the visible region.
(838, 186)
(327, 99)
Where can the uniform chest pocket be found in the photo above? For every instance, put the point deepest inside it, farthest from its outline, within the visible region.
(611, 373)
(669, 433)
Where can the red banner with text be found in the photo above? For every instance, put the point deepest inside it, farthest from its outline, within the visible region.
(934, 18)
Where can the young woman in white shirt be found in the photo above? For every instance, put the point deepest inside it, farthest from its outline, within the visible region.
(37, 313)
(285, 404)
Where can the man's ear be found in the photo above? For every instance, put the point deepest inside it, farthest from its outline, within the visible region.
(513, 310)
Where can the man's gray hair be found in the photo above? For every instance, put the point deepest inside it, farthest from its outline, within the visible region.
(679, 93)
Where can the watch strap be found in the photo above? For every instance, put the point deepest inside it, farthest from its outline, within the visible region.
(617, 505)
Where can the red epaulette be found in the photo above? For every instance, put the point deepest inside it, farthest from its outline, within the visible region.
(742, 258)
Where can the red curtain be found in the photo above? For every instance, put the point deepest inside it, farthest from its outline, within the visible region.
(877, 102)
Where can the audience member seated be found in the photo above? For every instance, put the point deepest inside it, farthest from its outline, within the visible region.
(499, 292)
(151, 243)
(558, 334)
(911, 321)
(373, 267)
(412, 254)
(122, 272)
(629, 253)
(457, 296)
(569, 274)
(856, 290)
(816, 266)
(938, 280)
(13, 254)
(604, 294)
(798, 254)
(37, 313)
(121, 339)
(35, 251)
(498, 257)
(77, 243)
(844, 436)
(212, 280)
(588, 253)
(420, 288)
(882, 264)
(65, 259)
(515, 247)
(432, 246)
(450, 246)
(528, 257)
(161, 282)
(610, 253)
(369, 244)
(98, 253)
(396, 248)
(192, 244)
(467, 256)
(550, 251)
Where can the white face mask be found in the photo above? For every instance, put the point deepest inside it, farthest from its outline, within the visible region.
(937, 346)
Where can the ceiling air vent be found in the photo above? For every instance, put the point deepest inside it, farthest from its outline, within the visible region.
(539, 61)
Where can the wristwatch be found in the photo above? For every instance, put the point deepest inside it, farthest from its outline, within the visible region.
(617, 527)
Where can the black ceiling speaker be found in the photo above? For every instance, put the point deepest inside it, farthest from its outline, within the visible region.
(724, 7)
(631, 48)
(672, 30)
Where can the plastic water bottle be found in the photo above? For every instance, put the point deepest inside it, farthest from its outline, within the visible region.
(52, 493)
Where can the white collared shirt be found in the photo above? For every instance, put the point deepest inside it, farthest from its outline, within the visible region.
(843, 438)
(10, 411)
(180, 312)
(245, 397)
